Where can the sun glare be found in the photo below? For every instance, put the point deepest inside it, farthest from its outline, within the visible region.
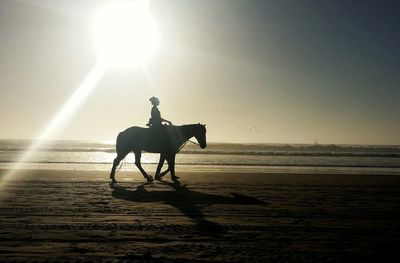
(126, 36)
(125, 33)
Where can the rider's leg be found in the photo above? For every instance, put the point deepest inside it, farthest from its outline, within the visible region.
(138, 155)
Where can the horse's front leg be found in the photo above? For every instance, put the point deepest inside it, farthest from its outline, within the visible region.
(171, 167)
(159, 166)
(164, 173)
(138, 155)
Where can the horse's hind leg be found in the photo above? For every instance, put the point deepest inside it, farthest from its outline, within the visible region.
(138, 155)
(116, 162)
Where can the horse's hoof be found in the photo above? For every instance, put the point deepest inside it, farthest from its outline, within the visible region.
(158, 177)
(175, 179)
(150, 178)
(113, 182)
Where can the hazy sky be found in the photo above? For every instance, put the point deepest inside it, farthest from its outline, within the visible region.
(253, 71)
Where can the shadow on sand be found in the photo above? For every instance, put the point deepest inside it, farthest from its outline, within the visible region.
(185, 200)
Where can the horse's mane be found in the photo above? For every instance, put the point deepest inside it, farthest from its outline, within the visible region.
(188, 127)
(182, 128)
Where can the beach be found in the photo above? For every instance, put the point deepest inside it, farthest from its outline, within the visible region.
(280, 119)
(74, 215)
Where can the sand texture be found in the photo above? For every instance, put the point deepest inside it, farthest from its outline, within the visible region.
(61, 216)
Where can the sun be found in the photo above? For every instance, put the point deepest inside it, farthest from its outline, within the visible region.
(125, 33)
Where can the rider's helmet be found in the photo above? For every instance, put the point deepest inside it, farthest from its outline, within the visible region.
(154, 101)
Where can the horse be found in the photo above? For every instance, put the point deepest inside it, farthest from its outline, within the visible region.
(166, 140)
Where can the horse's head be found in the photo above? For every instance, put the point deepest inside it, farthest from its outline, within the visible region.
(200, 135)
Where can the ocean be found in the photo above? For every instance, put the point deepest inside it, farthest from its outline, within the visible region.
(217, 156)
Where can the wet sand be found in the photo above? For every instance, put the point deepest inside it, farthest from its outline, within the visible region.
(63, 216)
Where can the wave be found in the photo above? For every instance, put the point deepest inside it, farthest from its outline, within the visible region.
(227, 152)
(9, 148)
(317, 154)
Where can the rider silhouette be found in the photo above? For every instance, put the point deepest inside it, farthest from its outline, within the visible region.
(156, 121)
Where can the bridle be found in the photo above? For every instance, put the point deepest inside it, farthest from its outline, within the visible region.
(185, 142)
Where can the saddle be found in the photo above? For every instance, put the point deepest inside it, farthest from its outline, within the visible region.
(157, 131)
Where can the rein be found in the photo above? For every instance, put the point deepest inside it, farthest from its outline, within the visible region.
(188, 140)
(193, 142)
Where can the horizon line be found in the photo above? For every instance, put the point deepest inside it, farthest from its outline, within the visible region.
(212, 142)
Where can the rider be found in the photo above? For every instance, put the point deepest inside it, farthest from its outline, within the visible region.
(156, 121)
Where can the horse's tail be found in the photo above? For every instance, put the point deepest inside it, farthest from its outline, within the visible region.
(119, 144)
(127, 140)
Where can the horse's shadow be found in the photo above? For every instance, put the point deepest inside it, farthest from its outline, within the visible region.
(185, 200)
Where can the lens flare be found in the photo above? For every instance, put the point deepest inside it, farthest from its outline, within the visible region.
(73, 103)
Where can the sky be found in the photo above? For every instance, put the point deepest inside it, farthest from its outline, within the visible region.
(253, 71)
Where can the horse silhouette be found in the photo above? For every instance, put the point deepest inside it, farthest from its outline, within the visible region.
(166, 140)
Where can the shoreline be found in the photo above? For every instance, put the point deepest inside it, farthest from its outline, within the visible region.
(208, 168)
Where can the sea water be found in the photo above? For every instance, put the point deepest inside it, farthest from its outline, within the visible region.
(217, 156)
